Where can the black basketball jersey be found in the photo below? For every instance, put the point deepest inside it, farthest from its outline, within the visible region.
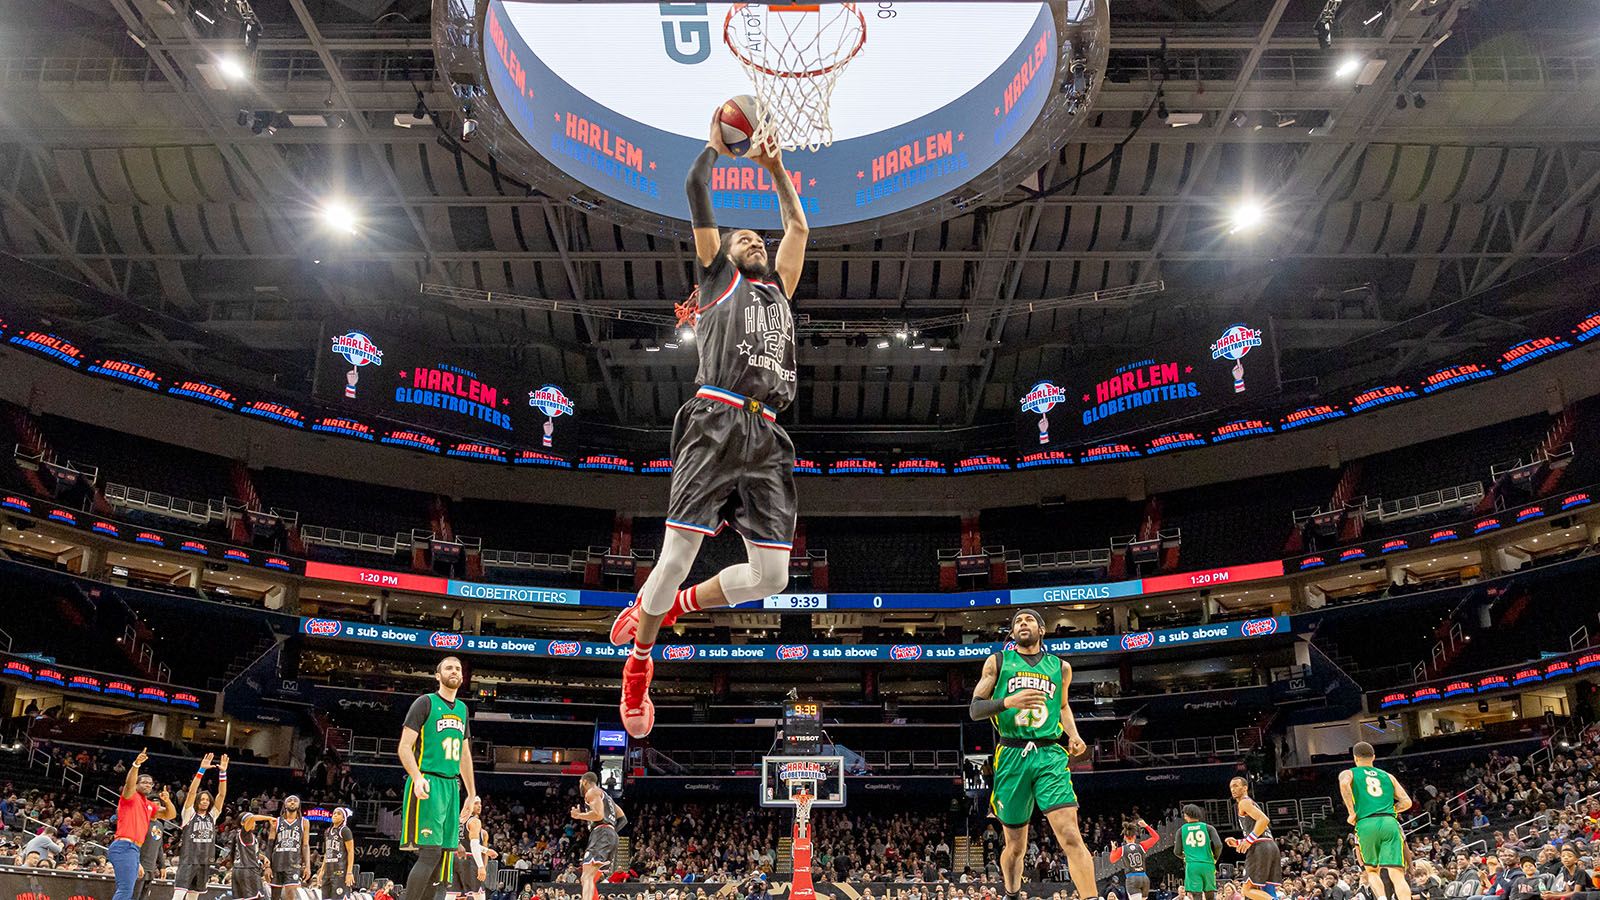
(466, 839)
(198, 840)
(1133, 856)
(246, 851)
(744, 331)
(288, 840)
(333, 838)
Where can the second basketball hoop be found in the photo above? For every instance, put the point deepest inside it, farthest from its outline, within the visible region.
(794, 55)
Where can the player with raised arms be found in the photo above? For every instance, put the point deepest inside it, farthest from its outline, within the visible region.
(436, 750)
(731, 461)
(1372, 797)
(1263, 861)
(197, 841)
(1023, 691)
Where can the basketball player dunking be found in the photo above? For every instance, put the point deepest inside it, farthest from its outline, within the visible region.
(731, 462)
(1024, 692)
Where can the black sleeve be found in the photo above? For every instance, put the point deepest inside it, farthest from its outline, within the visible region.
(417, 714)
(466, 728)
(698, 186)
(1216, 842)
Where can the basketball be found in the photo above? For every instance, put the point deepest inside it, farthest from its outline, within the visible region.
(737, 118)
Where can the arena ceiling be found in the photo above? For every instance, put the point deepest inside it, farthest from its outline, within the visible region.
(1400, 214)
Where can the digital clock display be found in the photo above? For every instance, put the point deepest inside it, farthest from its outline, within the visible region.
(802, 727)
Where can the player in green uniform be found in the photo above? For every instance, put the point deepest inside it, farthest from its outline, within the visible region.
(1024, 693)
(1199, 846)
(1372, 797)
(435, 750)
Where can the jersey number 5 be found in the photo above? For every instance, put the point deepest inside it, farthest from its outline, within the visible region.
(1374, 787)
(1031, 717)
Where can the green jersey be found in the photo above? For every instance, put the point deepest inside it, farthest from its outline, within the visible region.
(1373, 790)
(1198, 843)
(442, 734)
(1017, 674)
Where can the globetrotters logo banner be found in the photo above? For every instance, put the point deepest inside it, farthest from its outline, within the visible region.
(1198, 373)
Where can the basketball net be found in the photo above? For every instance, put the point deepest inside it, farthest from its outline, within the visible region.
(794, 54)
(800, 852)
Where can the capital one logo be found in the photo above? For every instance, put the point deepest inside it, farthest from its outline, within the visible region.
(677, 653)
(563, 648)
(793, 652)
(1139, 640)
(323, 627)
(905, 651)
(1260, 627)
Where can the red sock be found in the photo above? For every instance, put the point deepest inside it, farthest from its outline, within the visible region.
(687, 600)
(641, 652)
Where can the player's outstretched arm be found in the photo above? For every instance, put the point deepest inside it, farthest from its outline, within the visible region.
(791, 256)
(707, 240)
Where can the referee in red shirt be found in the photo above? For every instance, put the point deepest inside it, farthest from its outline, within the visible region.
(135, 809)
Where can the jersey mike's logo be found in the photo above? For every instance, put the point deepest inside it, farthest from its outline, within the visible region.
(1234, 344)
(1041, 398)
(562, 648)
(1139, 640)
(358, 350)
(323, 627)
(793, 652)
(445, 640)
(553, 402)
(677, 653)
(905, 651)
(1260, 627)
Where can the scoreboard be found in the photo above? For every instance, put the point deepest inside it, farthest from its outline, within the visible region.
(802, 728)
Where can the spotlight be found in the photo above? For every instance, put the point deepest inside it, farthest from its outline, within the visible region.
(1349, 67)
(1238, 120)
(901, 334)
(252, 35)
(231, 68)
(1418, 100)
(1324, 32)
(339, 216)
(1247, 216)
(469, 128)
(686, 334)
(883, 344)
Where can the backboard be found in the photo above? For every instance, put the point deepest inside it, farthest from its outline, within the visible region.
(784, 776)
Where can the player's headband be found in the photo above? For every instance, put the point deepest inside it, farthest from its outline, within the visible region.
(1027, 612)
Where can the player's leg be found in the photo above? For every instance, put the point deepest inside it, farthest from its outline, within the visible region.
(1080, 865)
(591, 880)
(1374, 881)
(432, 830)
(1397, 877)
(1053, 791)
(1011, 856)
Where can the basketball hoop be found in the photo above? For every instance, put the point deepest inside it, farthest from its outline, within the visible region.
(794, 55)
(802, 809)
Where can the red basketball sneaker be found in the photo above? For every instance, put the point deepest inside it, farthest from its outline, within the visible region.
(638, 713)
(626, 626)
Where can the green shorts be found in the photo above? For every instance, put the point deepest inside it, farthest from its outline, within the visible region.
(1199, 877)
(1026, 778)
(436, 821)
(1381, 842)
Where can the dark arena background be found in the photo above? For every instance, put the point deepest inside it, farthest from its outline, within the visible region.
(1249, 344)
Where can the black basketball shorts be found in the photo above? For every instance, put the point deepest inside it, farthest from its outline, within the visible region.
(732, 466)
(1263, 863)
(602, 848)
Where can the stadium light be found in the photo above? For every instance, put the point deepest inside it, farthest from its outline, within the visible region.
(1247, 216)
(686, 334)
(231, 68)
(1348, 68)
(340, 216)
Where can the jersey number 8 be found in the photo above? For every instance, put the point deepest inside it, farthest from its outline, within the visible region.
(1374, 787)
(452, 748)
